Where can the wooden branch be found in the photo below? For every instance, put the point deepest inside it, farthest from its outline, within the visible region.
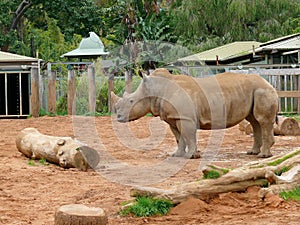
(64, 151)
(22, 8)
(261, 173)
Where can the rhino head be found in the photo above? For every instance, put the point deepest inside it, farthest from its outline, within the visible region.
(134, 105)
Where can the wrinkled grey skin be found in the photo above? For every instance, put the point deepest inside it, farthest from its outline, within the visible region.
(217, 102)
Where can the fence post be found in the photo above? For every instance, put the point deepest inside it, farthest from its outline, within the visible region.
(71, 92)
(35, 92)
(92, 88)
(52, 92)
(298, 89)
(110, 89)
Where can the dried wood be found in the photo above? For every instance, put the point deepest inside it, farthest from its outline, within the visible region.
(261, 173)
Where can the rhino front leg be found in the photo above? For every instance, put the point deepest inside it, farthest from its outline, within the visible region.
(188, 132)
(180, 152)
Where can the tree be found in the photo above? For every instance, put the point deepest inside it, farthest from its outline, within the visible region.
(72, 17)
(215, 22)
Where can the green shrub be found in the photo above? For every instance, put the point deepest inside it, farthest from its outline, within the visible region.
(145, 206)
(212, 174)
(293, 194)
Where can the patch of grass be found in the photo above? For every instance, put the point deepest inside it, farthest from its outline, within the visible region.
(280, 160)
(293, 194)
(224, 170)
(212, 174)
(31, 162)
(43, 162)
(283, 170)
(145, 207)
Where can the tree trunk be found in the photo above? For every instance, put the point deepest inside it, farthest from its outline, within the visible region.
(64, 151)
(262, 173)
(22, 8)
(76, 214)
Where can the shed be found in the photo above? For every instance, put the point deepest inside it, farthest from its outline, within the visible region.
(239, 51)
(15, 74)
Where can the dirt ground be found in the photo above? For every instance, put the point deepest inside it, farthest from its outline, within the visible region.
(131, 154)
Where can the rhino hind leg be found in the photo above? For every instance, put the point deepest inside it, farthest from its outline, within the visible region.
(265, 111)
(257, 134)
(268, 137)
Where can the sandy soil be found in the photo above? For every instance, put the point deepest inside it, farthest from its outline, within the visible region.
(131, 154)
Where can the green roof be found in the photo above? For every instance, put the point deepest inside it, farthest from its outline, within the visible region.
(224, 52)
(10, 57)
(88, 47)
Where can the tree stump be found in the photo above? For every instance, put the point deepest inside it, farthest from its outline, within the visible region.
(76, 214)
(285, 126)
(274, 175)
(64, 151)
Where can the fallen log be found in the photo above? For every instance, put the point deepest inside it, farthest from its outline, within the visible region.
(273, 175)
(285, 126)
(64, 151)
(80, 214)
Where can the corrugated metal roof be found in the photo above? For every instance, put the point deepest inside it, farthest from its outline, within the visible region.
(279, 39)
(288, 44)
(91, 46)
(10, 57)
(224, 52)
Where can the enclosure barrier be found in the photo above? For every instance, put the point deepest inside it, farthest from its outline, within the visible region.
(285, 80)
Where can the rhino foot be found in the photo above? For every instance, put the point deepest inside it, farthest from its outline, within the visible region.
(253, 152)
(195, 155)
(264, 155)
(177, 154)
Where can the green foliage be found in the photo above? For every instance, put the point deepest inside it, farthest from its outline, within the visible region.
(282, 159)
(31, 162)
(145, 207)
(207, 24)
(291, 195)
(283, 170)
(212, 174)
(43, 162)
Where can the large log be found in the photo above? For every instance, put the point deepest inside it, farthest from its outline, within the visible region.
(261, 173)
(285, 126)
(64, 151)
(80, 214)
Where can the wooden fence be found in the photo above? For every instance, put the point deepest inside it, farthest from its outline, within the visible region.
(285, 81)
(287, 84)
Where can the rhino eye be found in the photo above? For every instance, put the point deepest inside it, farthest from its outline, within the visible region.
(131, 101)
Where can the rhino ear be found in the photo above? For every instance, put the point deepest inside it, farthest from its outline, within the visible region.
(145, 77)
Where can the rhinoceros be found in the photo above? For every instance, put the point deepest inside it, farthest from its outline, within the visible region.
(215, 102)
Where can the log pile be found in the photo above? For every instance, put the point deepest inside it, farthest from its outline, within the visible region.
(274, 175)
(285, 126)
(64, 151)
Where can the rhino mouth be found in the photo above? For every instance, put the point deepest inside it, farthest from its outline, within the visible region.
(121, 118)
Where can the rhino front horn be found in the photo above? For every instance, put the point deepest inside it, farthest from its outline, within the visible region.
(114, 98)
